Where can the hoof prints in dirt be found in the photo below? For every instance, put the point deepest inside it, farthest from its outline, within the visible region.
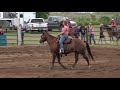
(34, 61)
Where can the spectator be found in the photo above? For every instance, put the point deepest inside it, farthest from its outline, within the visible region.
(25, 26)
(22, 33)
(101, 33)
(77, 34)
(83, 31)
(91, 30)
(1, 30)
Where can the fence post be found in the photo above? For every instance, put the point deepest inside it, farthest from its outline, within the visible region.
(87, 28)
(18, 33)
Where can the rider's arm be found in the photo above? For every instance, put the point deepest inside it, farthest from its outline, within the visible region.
(63, 31)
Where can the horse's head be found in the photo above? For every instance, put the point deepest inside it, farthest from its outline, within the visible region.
(43, 38)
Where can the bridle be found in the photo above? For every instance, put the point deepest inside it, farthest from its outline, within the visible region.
(52, 40)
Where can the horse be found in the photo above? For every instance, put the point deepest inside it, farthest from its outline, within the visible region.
(70, 45)
(112, 34)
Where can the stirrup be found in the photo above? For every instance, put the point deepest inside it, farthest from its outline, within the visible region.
(61, 51)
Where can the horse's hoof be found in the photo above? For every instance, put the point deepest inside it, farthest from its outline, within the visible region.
(64, 68)
(50, 68)
(94, 61)
(89, 67)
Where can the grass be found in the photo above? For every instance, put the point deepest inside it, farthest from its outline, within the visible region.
(35, 37)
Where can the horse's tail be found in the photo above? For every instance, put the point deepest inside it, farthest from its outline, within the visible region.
(89, 50)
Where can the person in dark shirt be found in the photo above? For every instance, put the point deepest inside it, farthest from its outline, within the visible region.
(77, 32)
(83, 31)
(101, 33)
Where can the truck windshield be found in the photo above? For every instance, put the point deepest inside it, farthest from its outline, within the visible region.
(36, 20)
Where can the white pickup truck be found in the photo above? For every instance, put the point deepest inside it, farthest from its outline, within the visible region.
(36, 24)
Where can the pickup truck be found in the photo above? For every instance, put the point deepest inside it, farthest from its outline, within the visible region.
(36, 24)
(55, 21)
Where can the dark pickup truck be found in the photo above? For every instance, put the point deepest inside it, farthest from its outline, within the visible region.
(54, 22)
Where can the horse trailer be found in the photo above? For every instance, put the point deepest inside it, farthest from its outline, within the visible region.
(13, 19)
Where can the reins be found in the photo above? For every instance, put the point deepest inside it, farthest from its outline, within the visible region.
(53, 40)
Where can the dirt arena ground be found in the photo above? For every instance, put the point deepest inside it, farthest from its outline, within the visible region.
(34, 62)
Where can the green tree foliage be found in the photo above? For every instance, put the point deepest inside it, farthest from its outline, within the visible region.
(104, 19)
(93, 17)
(116, 16)
(87, 20)
(42, 15)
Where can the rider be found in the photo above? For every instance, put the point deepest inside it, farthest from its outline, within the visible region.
(68, 23)
(63, 35)
(113, 24)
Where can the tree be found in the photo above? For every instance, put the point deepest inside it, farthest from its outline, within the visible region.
(93, 17)
(42, 15)
(104, 20)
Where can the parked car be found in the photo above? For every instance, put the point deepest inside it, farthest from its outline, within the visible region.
(55, 21)
(36, 24)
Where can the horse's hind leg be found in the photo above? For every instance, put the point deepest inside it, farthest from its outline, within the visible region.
(117, 40)
(86, 58)
(113, 39)
(76, 60)
(58, 57)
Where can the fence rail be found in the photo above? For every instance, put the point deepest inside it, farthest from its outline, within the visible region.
(33, 38)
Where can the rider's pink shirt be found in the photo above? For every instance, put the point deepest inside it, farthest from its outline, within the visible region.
(65, 30)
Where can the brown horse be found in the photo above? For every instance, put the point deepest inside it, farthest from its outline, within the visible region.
(112, 34)
(71, 45)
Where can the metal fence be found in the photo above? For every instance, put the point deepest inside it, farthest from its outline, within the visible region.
(13, 37)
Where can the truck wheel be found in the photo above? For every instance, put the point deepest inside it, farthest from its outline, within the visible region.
(38, 30)
(49, 29)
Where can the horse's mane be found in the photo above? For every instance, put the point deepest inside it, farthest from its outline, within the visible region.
(50, 35)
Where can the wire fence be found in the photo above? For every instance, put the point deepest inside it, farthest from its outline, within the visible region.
(33, 38)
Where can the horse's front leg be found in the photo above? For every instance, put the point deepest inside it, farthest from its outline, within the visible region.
(58, 57)
(112, 39)
(53, 61)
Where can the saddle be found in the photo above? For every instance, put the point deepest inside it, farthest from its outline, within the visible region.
(67, 41)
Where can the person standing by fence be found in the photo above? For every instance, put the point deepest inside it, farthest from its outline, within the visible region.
(1, 30)
(77, 32)
(83, 32)
(3, 38)
(101, 33)
(22, 34)
(91, 30)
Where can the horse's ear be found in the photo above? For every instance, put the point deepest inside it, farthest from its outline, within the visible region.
(43, 31)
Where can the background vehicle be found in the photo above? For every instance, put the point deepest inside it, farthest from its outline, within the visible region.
(55, 21)
(36, 24)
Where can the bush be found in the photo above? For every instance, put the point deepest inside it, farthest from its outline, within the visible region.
(105, 20)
